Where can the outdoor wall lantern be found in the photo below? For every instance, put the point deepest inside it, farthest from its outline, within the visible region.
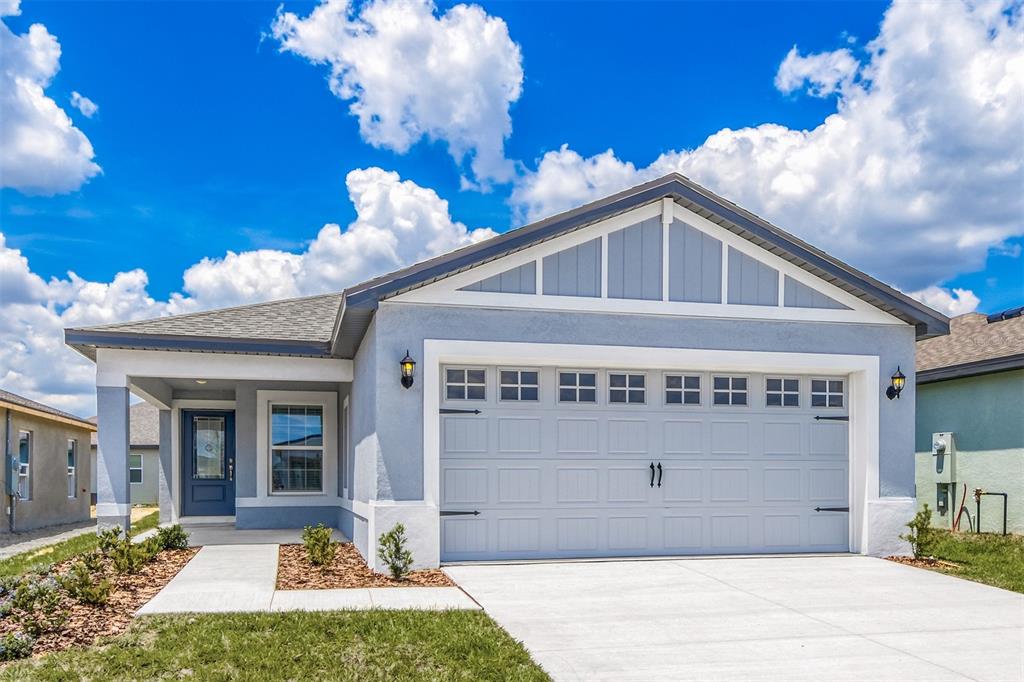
(898, 382)
(408, 368)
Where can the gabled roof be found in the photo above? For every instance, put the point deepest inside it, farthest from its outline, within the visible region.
(976, 344)
(334, 324)
(13, 401)
(144, 426)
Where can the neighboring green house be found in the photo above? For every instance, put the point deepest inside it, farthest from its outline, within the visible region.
(971, 384)
(143, 457)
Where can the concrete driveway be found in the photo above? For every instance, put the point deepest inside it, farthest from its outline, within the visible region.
(772, 618)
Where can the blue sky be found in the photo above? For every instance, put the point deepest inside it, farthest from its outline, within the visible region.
(211, 138)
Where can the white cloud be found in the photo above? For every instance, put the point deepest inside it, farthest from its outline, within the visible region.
(84, 104)
(41, 152)
(398, 222)
(824, 73)
(915, 177)
(412, 74)
(951, 303)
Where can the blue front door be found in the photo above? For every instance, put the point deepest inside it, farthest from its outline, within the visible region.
(208, 463)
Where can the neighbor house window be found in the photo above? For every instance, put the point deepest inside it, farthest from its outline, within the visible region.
(577, 387)
(25, 465)
(729, 390)
(627, 388)
(465, 384)
(134, 468)
(72, 468)
(296, 448)
(826, 392)
(518, 385)
(682, 389)
(780, 392)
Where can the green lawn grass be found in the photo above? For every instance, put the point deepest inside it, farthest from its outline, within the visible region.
(37, 559)
(338, 645)
(996, 560)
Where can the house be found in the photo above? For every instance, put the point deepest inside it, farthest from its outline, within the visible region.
(658, 372)
(970, 421)
(46, 480)
(143, 454)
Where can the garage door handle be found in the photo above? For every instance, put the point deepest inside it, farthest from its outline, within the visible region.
(452, 410)
(460, 513)
(652, 474)
(838, 509)
(819, 418)
(659, 474)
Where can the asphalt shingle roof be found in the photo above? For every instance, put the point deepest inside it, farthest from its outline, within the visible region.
(972, 338)
(145, 426)
(15, 399)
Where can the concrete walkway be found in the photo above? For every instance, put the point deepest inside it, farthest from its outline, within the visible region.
(793, 618)
(241, 578)
(27, 541)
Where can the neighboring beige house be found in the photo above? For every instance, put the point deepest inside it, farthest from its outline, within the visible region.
(46, 452)
(143, 457)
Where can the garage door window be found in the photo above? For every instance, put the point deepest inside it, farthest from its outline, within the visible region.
(465, 384)
(577, 387)
(730, 391)
(781, 392)
(681, 389)
(626, 388)
(519, 385)
(826, 392)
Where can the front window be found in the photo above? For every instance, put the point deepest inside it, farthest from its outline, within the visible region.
(72, 468)
(25, 465)
(729, 391)
(518, 385)
(826, 393)
(627, 388)
(297, 448)
(781, 392)
(134, 468)
(577, 387)
(682, 389)
(465, 384)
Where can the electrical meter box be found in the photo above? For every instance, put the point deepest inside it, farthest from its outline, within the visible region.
(943, 457)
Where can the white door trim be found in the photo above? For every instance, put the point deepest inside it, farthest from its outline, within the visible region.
(864, 388)
(176, 407)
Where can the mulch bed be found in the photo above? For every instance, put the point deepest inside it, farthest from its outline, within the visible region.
(924, 562)
(295, 572)
(87, 623)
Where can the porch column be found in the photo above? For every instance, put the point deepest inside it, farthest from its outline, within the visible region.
(165, 482)
(113, 491)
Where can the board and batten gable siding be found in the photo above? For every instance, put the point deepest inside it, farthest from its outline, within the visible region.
(575, 271)
(751, 282)
(520, 280)
(634, 261)
(799, 295)
(694, 265)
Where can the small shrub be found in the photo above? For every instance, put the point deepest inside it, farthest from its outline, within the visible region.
(393, 553)
(173, 537)
(8, 586)
(128, 557)
(320, 548)
(93, 561)
(920, 535)
(37, 605)
(15, 645)
(83, 585)
(150, 548)
(109, 539)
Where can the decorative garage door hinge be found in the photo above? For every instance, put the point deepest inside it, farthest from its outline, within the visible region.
(452, 410)
(459, 513)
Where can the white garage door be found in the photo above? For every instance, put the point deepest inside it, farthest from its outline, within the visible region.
(560, 462)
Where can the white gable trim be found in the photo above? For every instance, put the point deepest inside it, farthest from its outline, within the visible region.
(447, 291)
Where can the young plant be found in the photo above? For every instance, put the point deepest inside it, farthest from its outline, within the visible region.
(393, 552)
(150, 548)
(173, 537)
(320, 548)
(15, 645)
(920, 534)
(93, 561)
(109, 539)
(37, 605)
(128, 557)
(83, 585)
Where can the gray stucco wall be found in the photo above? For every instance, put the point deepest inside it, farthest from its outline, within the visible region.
(399, 418)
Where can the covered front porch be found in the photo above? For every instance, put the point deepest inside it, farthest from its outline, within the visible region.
(247, 442)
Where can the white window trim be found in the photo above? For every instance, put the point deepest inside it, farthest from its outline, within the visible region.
(711, 389)
(141, 468)
(519, 385)
(577, 403)
(328, 401)
(683, 405)
(466, 384)
(783, 392)
(346, 446)
(627, 373)
(26, 467)
(73, 470)
(826, 406)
